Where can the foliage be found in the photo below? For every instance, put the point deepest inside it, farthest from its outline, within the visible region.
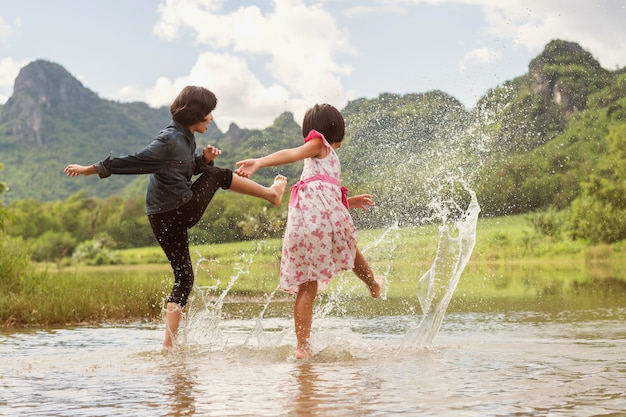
(551, 223)
(552, 175)
(85, 228)
(232, 217)
(69, 297)
(96, 252)
(509, 260)
(599, 213)
(16, 270)
(15, 258)
(4, 217)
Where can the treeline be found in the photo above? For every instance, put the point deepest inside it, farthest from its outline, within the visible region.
(90, 229)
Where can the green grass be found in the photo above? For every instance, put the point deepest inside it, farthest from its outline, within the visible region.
(509, 260)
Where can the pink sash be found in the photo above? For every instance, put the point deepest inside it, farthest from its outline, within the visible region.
(295, 189)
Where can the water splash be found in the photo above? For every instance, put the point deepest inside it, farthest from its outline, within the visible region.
(336, 299)
(436, 287)
(264, 339)
(203, 318)
(424, 182)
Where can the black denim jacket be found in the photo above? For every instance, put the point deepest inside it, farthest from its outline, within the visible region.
(171, 159)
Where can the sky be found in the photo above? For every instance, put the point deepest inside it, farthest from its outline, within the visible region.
(262, 58)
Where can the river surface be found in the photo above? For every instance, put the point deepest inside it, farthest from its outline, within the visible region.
(516, 359)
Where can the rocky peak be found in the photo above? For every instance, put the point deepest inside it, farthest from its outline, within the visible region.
(42, 88)
(558, 74)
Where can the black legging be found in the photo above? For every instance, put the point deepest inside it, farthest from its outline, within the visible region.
(170, 229)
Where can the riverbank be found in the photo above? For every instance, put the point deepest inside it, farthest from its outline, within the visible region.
(509, 260)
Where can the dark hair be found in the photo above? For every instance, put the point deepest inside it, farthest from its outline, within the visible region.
(192, 105)
(327, 120)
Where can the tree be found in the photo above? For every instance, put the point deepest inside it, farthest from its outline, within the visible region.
(4, 216)
(599, 214)
(14, 254)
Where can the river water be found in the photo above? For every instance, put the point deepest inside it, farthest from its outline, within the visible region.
(545, 356)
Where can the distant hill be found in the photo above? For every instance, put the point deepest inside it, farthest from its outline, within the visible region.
(52, 119)
(403, 148)
(548, 130)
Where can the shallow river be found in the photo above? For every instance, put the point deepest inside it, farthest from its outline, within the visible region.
(558, 360)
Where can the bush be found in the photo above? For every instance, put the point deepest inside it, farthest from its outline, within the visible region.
(96, 252)
(15, 264)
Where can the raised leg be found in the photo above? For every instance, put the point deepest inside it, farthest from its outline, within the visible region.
(273, 193)
(364, 272)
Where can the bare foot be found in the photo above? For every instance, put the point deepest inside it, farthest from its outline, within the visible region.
(376, 289)
(304, 352)
(278, 189)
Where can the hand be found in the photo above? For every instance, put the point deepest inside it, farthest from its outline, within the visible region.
(210, 153)
(361, 201)
(74, 170)
(247, 167)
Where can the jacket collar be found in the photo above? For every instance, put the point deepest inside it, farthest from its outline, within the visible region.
(185, 130)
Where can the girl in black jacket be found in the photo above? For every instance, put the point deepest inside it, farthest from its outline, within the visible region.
(173, 202)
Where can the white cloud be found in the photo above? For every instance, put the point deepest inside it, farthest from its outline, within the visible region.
(295, 44)
(597, 26)
(479, 56)
(533, 23)
(272, 56)
(378, 8)
(6, 30)
(9, 68)
(241, 97)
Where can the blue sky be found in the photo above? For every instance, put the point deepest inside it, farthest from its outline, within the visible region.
(265, 57)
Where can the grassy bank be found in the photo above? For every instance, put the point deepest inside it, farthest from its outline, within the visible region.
(509, 260)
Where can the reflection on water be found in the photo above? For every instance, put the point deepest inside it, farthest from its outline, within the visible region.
(181, 378)
(544, 357)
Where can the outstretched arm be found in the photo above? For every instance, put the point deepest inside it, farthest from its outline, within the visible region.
(312, 149)
(74, 170)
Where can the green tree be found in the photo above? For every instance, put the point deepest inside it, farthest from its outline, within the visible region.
(4, 216)
(599, 214)
(15, 259)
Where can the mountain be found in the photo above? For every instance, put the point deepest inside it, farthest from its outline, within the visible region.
(527, 145)
(52, 120)
(547, 130)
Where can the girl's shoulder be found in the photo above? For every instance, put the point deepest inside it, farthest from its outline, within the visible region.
(314, 134)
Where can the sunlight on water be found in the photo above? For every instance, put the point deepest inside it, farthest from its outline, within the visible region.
(485, 364)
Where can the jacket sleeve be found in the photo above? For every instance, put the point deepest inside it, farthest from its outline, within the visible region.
(146, 161)
(201, 166)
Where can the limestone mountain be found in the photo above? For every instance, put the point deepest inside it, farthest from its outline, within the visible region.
(548, 130)
(532, 109)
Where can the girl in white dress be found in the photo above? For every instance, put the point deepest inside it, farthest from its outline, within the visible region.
(320, 236)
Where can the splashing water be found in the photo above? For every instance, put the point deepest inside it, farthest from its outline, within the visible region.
(436, 287)
(204, 315)
(415, 188)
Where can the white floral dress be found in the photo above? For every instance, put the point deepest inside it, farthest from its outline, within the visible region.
(320, 236)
